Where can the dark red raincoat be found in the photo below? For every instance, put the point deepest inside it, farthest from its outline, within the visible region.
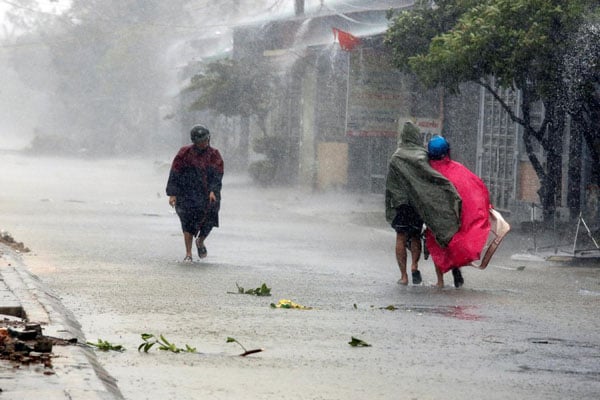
(194, 174)
(466, 245)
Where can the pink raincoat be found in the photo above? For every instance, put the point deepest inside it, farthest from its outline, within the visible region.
(466, 245)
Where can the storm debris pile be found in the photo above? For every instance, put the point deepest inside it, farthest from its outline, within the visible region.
(8, 240)
(23, 344)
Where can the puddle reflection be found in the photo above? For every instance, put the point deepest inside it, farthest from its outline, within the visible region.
(458, 312)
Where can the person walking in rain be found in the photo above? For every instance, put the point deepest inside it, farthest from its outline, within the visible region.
(416, 193)
(194, 189)
(467, 244)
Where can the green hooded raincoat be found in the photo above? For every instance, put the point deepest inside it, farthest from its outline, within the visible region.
(412, 181)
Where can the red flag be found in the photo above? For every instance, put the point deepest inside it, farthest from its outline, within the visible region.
(347, 41)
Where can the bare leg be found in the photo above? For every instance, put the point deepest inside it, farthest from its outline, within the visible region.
(440, 277)
(188, 238)
(401, 257)
(415, 252)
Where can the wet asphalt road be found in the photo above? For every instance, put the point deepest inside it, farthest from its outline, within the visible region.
(106, 242)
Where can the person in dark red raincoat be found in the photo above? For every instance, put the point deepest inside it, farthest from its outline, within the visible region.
(466, 244)
(194, 189)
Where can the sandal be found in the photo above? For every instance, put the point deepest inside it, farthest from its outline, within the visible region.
(416, 278)
(187, 259)
(202, 251)
(201, 248)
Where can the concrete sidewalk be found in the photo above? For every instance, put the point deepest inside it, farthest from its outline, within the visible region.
(75, 374)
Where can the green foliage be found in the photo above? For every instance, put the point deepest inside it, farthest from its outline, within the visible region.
(411, 32)
(149, 340)
(275, 148)
(231, 88)
(99, 62)
(516, 41)
(246, 352)
(262, 172)
(105, 345)
(582, 78)
(356, 342)
(218, 86)
(521, 44)
(232, 340)
(263, 290)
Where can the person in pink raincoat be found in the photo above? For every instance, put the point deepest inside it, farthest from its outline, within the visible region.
(468, 243)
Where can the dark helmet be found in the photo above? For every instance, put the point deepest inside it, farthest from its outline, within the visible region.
(438, 147)
(199, 134)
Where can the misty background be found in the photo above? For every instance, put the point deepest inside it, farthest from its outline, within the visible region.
(100, 77)
(282, 94)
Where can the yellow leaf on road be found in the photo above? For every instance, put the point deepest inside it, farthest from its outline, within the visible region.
(284, 303)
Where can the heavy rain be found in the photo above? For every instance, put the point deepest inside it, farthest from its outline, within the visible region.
(305, 101)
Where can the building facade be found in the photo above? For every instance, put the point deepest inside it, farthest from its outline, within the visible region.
(338, 108)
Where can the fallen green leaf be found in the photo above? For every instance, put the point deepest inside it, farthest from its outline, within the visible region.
(105, 345)
(263, 290)
(150, 340)
(232, 340)
(356, 342)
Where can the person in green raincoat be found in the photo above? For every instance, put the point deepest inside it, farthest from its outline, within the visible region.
(416, 194)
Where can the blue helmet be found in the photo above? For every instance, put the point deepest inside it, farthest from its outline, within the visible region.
(437, 147)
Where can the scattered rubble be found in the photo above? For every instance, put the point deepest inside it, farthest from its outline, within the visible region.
(8, 240)
(23, 343)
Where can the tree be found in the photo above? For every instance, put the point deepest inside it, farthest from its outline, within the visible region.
(582, 100)
(105, 60)
(232, 88)
(499, 44)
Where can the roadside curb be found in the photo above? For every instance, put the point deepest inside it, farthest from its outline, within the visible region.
(77, 373)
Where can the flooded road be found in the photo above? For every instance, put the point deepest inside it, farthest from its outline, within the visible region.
(104, 239)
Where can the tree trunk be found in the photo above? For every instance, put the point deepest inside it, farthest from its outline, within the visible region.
(552, 142)
(551, 184)
(589, 120)
(549, 135)
(574, 172)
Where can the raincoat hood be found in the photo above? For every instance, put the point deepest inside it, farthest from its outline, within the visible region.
(412, 181)
(410, 136)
